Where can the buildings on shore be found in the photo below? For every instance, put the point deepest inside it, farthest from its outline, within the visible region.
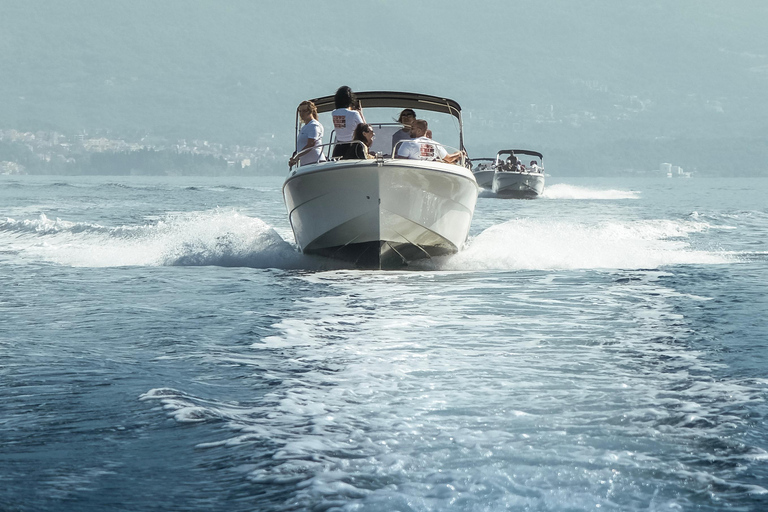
(8, 167)
(673, 171)
(52, 152)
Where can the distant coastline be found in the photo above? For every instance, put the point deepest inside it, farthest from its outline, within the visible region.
(49, 152)
(52, 152)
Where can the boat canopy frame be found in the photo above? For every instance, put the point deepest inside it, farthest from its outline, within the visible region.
(395, 99)
(520, 152)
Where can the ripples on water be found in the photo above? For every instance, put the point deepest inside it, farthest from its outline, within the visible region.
(613, 362)
(549, 397)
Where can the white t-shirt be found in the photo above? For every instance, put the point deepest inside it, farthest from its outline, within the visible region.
(344, 122)
(398, 136)
(311, 130)
(421, 148)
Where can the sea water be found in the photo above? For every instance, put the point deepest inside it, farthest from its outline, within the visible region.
(163, 346)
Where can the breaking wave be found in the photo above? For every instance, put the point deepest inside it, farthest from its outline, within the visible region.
(223, 238)
(531, 244)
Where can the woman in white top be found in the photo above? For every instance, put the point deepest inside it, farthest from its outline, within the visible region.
(346, 117)
(310, 135)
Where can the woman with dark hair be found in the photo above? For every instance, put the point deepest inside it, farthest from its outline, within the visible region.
(346, 117)
(361, 142)
(407, 117)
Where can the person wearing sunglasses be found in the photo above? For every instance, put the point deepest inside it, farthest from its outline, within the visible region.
(407, 117)
(361, 143)
(310, 135)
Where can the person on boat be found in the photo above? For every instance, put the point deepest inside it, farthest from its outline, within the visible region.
(534, 166)
(406, 118)
(421, 147)
(310, 135)
(347, 115)
(512, 164)
(359, 151)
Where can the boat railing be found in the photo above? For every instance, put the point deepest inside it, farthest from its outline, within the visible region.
(357, 143)
(464, 161)
(326, 150)
(381, 144)
(505, 167)
(303, 152)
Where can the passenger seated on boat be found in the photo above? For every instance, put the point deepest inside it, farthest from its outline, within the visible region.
(534, 166)
(359, 151)
(421, 147)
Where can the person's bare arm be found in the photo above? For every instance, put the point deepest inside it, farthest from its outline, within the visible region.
(294, 158)
(453, 157)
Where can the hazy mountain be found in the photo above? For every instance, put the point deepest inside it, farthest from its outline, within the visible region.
(597, 84)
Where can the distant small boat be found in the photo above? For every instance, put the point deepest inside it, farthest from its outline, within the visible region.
(484, 169)
(515, 179)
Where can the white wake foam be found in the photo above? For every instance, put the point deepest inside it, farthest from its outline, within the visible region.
(563, 191)
(530, 244)
(224, 238)
(228, 238)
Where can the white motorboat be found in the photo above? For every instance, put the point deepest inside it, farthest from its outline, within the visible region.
(514, 178)
(484, 169)
(383, 212)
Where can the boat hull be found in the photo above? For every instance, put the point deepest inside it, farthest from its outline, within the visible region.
(484, 178)
(380, 214)
(518, 184)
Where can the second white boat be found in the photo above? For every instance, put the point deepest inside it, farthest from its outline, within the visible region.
(515, 179)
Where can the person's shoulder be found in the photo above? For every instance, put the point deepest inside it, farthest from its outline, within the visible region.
(406, 145)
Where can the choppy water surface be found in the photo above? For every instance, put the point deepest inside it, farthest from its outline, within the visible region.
(166, 348)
